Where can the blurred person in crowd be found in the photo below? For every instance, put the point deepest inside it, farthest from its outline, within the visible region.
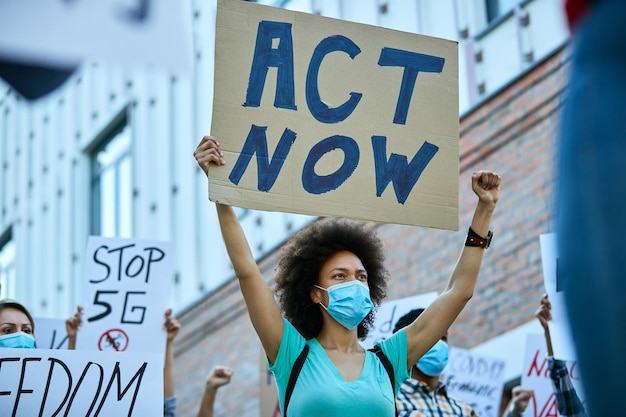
(17, 327)
(567, 400)
(219, 376)
(424, 394)
(590, 200)
(172, 326)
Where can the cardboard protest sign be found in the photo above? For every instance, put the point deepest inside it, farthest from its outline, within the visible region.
(476, 379)
(61, 33)
(50, 333)
(536, 376)
(321, 116)
(42, 382)
(562, 340)
(126, 292)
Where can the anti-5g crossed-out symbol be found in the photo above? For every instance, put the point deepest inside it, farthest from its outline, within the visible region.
(114, 339)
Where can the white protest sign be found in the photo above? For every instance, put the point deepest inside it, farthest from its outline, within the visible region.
(536, 376)
(388, 314)
(326, 117)
(126, 292)
(50, 333)
(476, 379)
(61, 33)
(43, 382)
(562, 341)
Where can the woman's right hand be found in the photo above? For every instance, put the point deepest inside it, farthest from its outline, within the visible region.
(207, 151)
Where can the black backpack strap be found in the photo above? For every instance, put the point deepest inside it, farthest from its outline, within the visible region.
(293, 376)
(387, 364)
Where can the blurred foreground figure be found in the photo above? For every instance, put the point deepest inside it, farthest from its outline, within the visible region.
(591, 200)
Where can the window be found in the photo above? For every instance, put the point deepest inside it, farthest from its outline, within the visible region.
(7, 265)
(111, 182)
(497, 8)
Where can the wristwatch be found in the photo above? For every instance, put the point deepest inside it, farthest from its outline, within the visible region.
(474, 239)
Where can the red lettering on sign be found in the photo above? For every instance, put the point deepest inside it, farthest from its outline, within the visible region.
(550, 408)
(538, 370)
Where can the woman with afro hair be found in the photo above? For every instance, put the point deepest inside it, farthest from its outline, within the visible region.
(330, 277)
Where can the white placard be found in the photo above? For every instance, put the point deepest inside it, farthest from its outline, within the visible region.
(50, 333)
(476, 379)
(390, 311)
(537, 378)
(562, 341)
(42, 382)
(126, 293)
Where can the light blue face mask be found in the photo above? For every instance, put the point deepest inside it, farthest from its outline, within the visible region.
(17, 340)
(348, 303)
(435, 360)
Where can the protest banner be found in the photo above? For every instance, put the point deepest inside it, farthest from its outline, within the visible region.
(326, 117)
(44, 382)
(476, 379)
(50, 333)
(562, 340)
(536, 377)
(126, 293)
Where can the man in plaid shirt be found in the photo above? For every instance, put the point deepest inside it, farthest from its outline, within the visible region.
(424, 395)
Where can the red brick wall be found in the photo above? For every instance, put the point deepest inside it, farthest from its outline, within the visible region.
(512, 133)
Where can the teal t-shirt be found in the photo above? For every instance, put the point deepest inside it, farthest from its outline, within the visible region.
(322, 391)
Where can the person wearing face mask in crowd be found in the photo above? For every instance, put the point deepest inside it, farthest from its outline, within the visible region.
(17, 327)
(330, 277)
(425, 395)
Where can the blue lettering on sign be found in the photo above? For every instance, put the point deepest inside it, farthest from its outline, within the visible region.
(318, 184)
(318, 108)
(274, 48)
(413, 63)
(280, 57)
(403, 175)
(256, 142)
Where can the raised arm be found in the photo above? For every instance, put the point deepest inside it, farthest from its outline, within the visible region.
(172, 326)
(567, 399)
(434, 322)
(544, 315)
(220, 375)
(72, 325)
(262, 308)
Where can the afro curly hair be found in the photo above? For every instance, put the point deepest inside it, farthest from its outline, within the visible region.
(300, 262)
